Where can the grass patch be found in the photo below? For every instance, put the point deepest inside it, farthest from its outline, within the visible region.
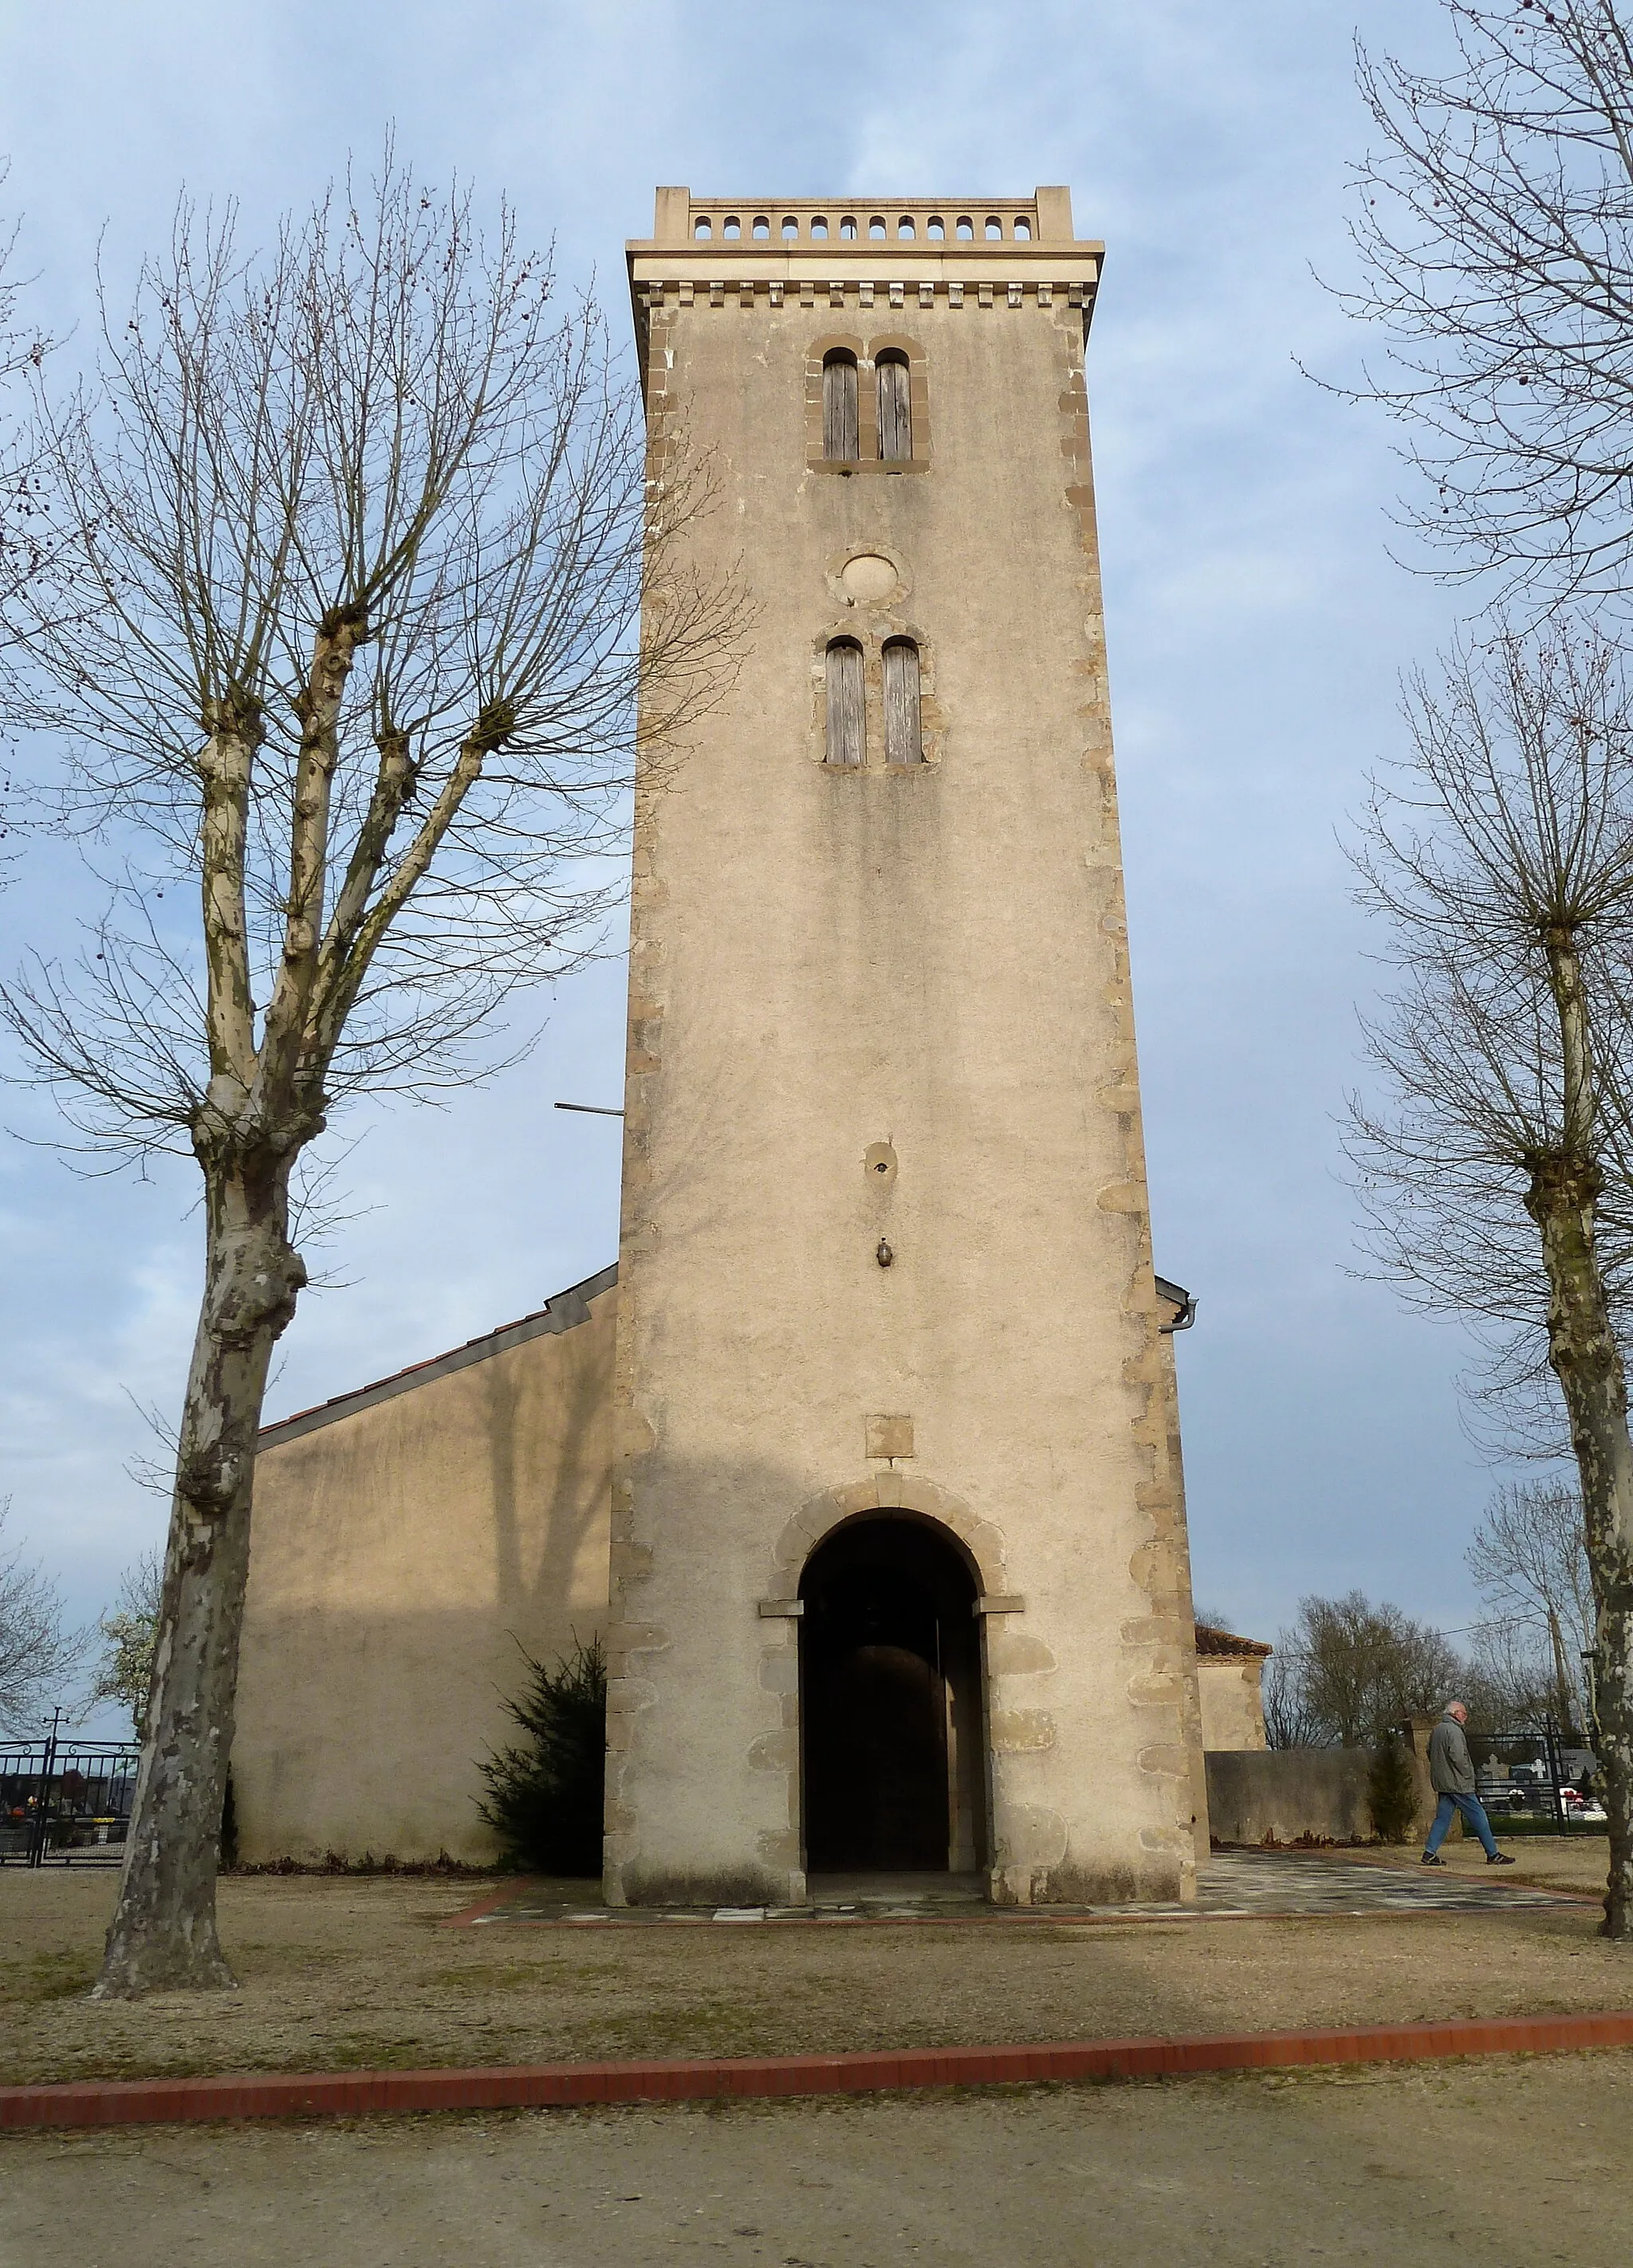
(503, 1977)
(47, 1977)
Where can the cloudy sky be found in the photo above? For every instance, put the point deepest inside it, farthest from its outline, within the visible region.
(1257, 627)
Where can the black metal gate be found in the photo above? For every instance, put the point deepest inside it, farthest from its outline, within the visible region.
(1544, 1777)
(66, 1802)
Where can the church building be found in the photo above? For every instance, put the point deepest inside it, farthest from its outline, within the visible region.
(864, 1459)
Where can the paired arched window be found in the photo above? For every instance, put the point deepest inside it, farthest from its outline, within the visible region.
(895, 413)
(847, 728)
(848, 707)
(841, 429)
(904, 727)
(839, 438)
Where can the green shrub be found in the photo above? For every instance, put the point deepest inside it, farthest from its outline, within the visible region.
(544, 1797)
(1392, 1793)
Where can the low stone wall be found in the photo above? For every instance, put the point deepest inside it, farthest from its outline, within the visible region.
(1262, 1795)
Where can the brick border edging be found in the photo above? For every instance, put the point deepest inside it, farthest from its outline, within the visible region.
(291, 2094)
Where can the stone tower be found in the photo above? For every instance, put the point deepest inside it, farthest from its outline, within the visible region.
(900, 1575)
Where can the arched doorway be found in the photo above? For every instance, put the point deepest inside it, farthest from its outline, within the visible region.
(893, 1754)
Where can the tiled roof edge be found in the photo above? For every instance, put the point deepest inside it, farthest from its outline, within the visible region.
(1217, 1645)
(563, 1313)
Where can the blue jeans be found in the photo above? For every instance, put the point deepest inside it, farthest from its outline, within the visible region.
(1473, 1815)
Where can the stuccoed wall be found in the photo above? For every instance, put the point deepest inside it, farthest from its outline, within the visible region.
(1233, 1709)
(401, 1547)
(932, 958)
(1279, 1794)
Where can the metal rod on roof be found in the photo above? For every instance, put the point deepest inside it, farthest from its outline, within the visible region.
(591, 1109)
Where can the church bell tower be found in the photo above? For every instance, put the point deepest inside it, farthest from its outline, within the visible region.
(900, 1576)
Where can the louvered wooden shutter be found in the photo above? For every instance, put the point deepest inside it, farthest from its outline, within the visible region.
(846, 727)
(839, 408)
(904, 733)
(895, 416)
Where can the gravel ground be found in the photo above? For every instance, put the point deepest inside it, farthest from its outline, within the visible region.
(344, 1973)
(1508, 2161)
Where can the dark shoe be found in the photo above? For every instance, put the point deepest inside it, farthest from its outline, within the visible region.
(1433, 1859)
(1499, 1858)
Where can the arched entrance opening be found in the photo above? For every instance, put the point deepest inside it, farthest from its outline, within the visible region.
(892, 1727)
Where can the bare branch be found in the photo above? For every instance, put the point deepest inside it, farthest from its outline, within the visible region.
(1494, 222)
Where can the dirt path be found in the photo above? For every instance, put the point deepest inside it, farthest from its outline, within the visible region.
(1511, 2162)
(348, 1973)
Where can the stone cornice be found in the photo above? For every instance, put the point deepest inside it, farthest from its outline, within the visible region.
(891, 252)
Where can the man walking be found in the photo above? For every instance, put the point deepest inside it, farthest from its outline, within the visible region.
(1452, 1776)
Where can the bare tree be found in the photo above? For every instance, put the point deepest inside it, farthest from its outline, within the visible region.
(39, 1651)
(1497, 1185)
(1529, 1562)
(1349, 1671)
(1510, 1682)
(129, 1640)
(1494, 219)
(341, 644)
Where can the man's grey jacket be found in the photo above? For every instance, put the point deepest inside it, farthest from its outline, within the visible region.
(1450, 1768)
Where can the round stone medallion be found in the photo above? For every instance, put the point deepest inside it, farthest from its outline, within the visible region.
(868, 577)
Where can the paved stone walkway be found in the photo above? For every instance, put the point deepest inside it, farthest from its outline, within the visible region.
(1232, 1884)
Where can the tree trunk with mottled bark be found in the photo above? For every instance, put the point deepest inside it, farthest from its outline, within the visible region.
(1562, 1200)
(163, 1933)
(1585, 1359)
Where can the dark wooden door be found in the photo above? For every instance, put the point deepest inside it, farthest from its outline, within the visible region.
(876, 1762)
